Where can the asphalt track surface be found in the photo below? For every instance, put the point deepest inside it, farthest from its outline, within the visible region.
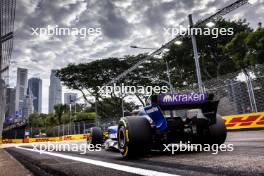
(247, 158)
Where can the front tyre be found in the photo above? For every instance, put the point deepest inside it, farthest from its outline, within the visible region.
(134, 136)
(96, 136)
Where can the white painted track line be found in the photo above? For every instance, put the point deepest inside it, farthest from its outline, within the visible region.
(114, 166)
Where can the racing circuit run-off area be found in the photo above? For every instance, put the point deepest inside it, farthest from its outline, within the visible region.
(131, 87)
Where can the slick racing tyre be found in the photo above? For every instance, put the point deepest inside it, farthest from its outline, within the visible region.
(134, 136)
(96, 136)
(217, 131)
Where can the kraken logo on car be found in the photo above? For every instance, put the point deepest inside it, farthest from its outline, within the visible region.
(167, 98)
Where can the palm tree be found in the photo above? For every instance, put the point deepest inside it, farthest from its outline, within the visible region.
(59, 110)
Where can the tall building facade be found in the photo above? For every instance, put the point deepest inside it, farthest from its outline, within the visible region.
(7, 18)
(10, 104)
(70, 98)
(35, 87)
(28, 107)
(55, 91)
(21, 88)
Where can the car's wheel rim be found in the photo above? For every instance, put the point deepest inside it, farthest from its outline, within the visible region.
(121, 136)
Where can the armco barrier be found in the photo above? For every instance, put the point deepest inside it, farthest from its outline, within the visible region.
(245, 121)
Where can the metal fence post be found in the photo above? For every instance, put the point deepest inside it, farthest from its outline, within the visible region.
(84, 127)
(79, 128)
(74, 130)
(196, 57)
(251, 92)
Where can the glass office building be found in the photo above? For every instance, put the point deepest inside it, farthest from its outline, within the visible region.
(7, 17)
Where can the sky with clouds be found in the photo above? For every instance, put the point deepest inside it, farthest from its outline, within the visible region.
(122, 22)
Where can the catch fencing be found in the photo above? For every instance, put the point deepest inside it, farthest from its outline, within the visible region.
(239, 92)
(62, 130)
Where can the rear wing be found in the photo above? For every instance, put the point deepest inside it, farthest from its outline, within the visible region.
(176, 101)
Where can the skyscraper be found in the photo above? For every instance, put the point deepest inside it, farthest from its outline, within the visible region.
(21, 88)
(35, 86)
(70, 98)
(7, 18)
(55, 91)
(28, 107)
(10, 104)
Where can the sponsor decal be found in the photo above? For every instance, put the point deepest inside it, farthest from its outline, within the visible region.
(12, 141)
(42, 140)
(47, 139)
(178, 99)
(252, 120)
(156, 115)
(151, 110)
(112, 132)
(67, 138)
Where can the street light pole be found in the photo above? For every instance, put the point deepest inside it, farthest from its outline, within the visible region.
(96, 112)
(168, 75)
(75, 111)
(70, 117)
(196, 58)
(123, 110)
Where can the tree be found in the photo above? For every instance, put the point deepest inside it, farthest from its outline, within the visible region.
(247, 49)
(59, 111)
(82, 116)
(87, 77)
(51, 120)
(255, 44)
(90, 75)
(112, 107)
(214, 60)
(35, 121)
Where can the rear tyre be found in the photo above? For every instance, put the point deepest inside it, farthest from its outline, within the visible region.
(134, 136)
(217, 131)
(96, 136)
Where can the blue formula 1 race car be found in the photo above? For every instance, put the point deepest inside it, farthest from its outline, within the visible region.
(108, 139)
(171, 118)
